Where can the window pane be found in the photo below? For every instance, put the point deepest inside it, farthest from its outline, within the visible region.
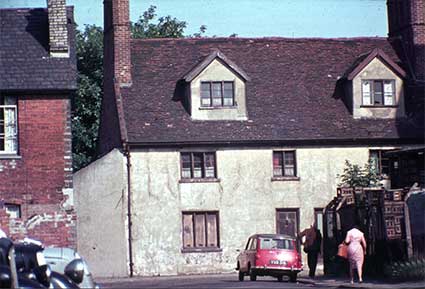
(228, 93)
(187, 231)
(389, 92)
(385, 165)
(210, 165)
(289, 164)
(14, 211)
(8, 126)
(205, 94)
(216, 94)
(206, 101)
(205, 89)
(366, 93)
(212, 230)
(378, 95)
(289, 158)
(200, 230)
(10, 130)
(289, 171)
(228, 101)
(186, 165)
(266, 243)
(253, 245)
(277, 163)
(197, 165)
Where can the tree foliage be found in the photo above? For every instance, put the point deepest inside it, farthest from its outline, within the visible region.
(87, 101)
(166, 27)
(356, 176)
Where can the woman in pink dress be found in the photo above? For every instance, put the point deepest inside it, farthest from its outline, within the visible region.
(356, 251)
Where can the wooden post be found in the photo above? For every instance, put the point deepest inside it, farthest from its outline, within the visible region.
(408, 231)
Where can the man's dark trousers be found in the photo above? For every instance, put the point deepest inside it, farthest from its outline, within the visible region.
(312, 262)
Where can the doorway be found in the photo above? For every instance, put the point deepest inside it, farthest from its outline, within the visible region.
(287, 222)
(318, 221)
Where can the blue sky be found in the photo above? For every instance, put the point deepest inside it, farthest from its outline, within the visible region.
(251, 18)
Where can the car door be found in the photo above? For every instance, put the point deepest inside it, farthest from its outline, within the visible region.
(252, 252)
(243, 260)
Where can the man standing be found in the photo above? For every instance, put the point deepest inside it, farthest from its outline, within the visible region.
(312, 242)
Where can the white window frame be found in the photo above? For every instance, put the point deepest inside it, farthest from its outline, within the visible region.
(9, 137)
(389, 96)
(219, 100)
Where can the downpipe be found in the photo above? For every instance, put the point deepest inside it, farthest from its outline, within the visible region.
(130, 224)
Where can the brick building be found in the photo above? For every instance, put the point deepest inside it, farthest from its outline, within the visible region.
(38, 77)
(206, 141)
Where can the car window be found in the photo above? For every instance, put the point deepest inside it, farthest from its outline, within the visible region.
(272, 243)
(253, 244)
(248, 244)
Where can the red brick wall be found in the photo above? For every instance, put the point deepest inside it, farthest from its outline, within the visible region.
(406, 18)
(37, 177)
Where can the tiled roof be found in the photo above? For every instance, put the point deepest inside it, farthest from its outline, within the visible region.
(25, 63)
(293, 93)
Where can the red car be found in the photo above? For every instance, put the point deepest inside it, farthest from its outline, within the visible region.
(270, 255)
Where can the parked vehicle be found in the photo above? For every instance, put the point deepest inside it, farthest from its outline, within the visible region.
(269, 255)
(58, 258)
(9, 276)
(31, 263)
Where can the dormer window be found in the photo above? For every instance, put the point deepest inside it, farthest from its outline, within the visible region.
(216, 89)
(375, 87)
(217, 94)
(378, 92)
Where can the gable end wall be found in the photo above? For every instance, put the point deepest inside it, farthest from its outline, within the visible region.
(40, 178)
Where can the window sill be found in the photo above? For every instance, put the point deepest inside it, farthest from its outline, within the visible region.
(201, 250)
(9, 156)
(217, 107)
(201, 180)
(378, 106)
(285, 179)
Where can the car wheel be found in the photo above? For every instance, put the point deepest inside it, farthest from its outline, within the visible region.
(241, 275)
(280, 278)
(293, 277)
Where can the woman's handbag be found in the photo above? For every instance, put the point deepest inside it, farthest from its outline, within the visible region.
(342, 250)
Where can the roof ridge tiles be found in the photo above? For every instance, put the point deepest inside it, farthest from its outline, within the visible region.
(270, 38)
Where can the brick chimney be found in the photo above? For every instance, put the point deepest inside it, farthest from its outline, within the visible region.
(406, 23)
(58, 30)
(117, 62)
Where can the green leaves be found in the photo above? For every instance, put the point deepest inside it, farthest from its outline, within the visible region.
(87, 100)
(355, 176)
(167, 27)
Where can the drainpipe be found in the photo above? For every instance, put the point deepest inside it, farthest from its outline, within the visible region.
(130, 237)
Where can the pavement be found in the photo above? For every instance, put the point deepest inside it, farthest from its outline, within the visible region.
(303, 279)
(340, 282)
